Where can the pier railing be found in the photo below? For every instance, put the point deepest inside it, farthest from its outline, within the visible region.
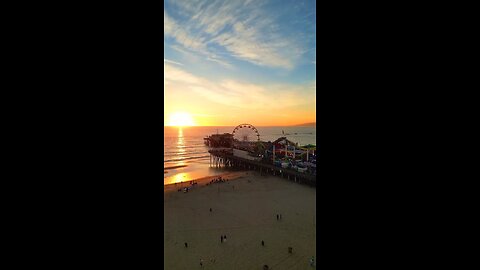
(224, 157)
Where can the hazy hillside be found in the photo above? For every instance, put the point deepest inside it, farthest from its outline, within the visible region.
(312, 124)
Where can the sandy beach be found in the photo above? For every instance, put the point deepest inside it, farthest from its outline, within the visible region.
(244, 209)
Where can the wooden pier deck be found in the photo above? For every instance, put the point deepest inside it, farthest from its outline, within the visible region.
(222, 157)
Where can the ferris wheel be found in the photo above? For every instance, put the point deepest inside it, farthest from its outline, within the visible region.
(246, 133)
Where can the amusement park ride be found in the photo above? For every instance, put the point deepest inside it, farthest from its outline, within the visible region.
(244, 142)
(242, 136)
(245, 133)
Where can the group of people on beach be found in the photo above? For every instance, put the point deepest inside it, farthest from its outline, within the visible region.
(217, 180)
(279, 216)
(185, 190)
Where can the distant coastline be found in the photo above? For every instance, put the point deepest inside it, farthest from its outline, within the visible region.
(311, 124)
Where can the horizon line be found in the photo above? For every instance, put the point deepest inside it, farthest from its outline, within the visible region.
(297, 125)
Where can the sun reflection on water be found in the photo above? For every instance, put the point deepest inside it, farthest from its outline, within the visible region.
(180, 177)
(181, 141)
(180, 146)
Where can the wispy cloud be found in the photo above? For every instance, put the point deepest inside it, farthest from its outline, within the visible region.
(180, 34)
(243, 29)
(172, 62)
(193, 43)
(174, 74)
(240, 60)
(220, 62)
(252, 45)
(240, 94)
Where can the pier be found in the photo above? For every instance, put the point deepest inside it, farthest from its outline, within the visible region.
(225, 158)
(243, 149)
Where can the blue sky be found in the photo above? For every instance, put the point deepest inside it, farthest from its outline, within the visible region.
(214, 49)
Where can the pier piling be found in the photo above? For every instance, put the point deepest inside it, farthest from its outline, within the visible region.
(223, 159)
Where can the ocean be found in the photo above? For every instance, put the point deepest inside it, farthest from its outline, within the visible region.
(186, 156)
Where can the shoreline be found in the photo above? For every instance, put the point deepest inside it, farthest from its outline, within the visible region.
(202, 181)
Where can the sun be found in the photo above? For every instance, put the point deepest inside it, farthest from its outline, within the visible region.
(181, 119)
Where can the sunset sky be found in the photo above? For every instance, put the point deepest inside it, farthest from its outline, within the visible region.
(233, 62)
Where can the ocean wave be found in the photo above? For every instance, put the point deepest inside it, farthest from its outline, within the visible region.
(176, 153)
(187, 146)
(186, 158)
(174, 167)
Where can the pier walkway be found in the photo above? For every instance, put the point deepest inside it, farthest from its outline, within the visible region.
(224, 157)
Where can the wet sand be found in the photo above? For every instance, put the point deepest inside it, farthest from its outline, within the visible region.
(245, 211)
(174, 167)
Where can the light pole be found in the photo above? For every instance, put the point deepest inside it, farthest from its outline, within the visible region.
(273, 159)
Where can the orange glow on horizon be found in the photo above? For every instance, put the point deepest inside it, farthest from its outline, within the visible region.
(225, 120)
(180, 119)
(177, 117)
(231, 101)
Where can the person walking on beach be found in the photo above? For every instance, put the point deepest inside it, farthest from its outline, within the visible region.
(312, 261)
(277, 216)
(210, 209)
(186, 245)
(263, 243)
(225, 238)
(201, 263)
